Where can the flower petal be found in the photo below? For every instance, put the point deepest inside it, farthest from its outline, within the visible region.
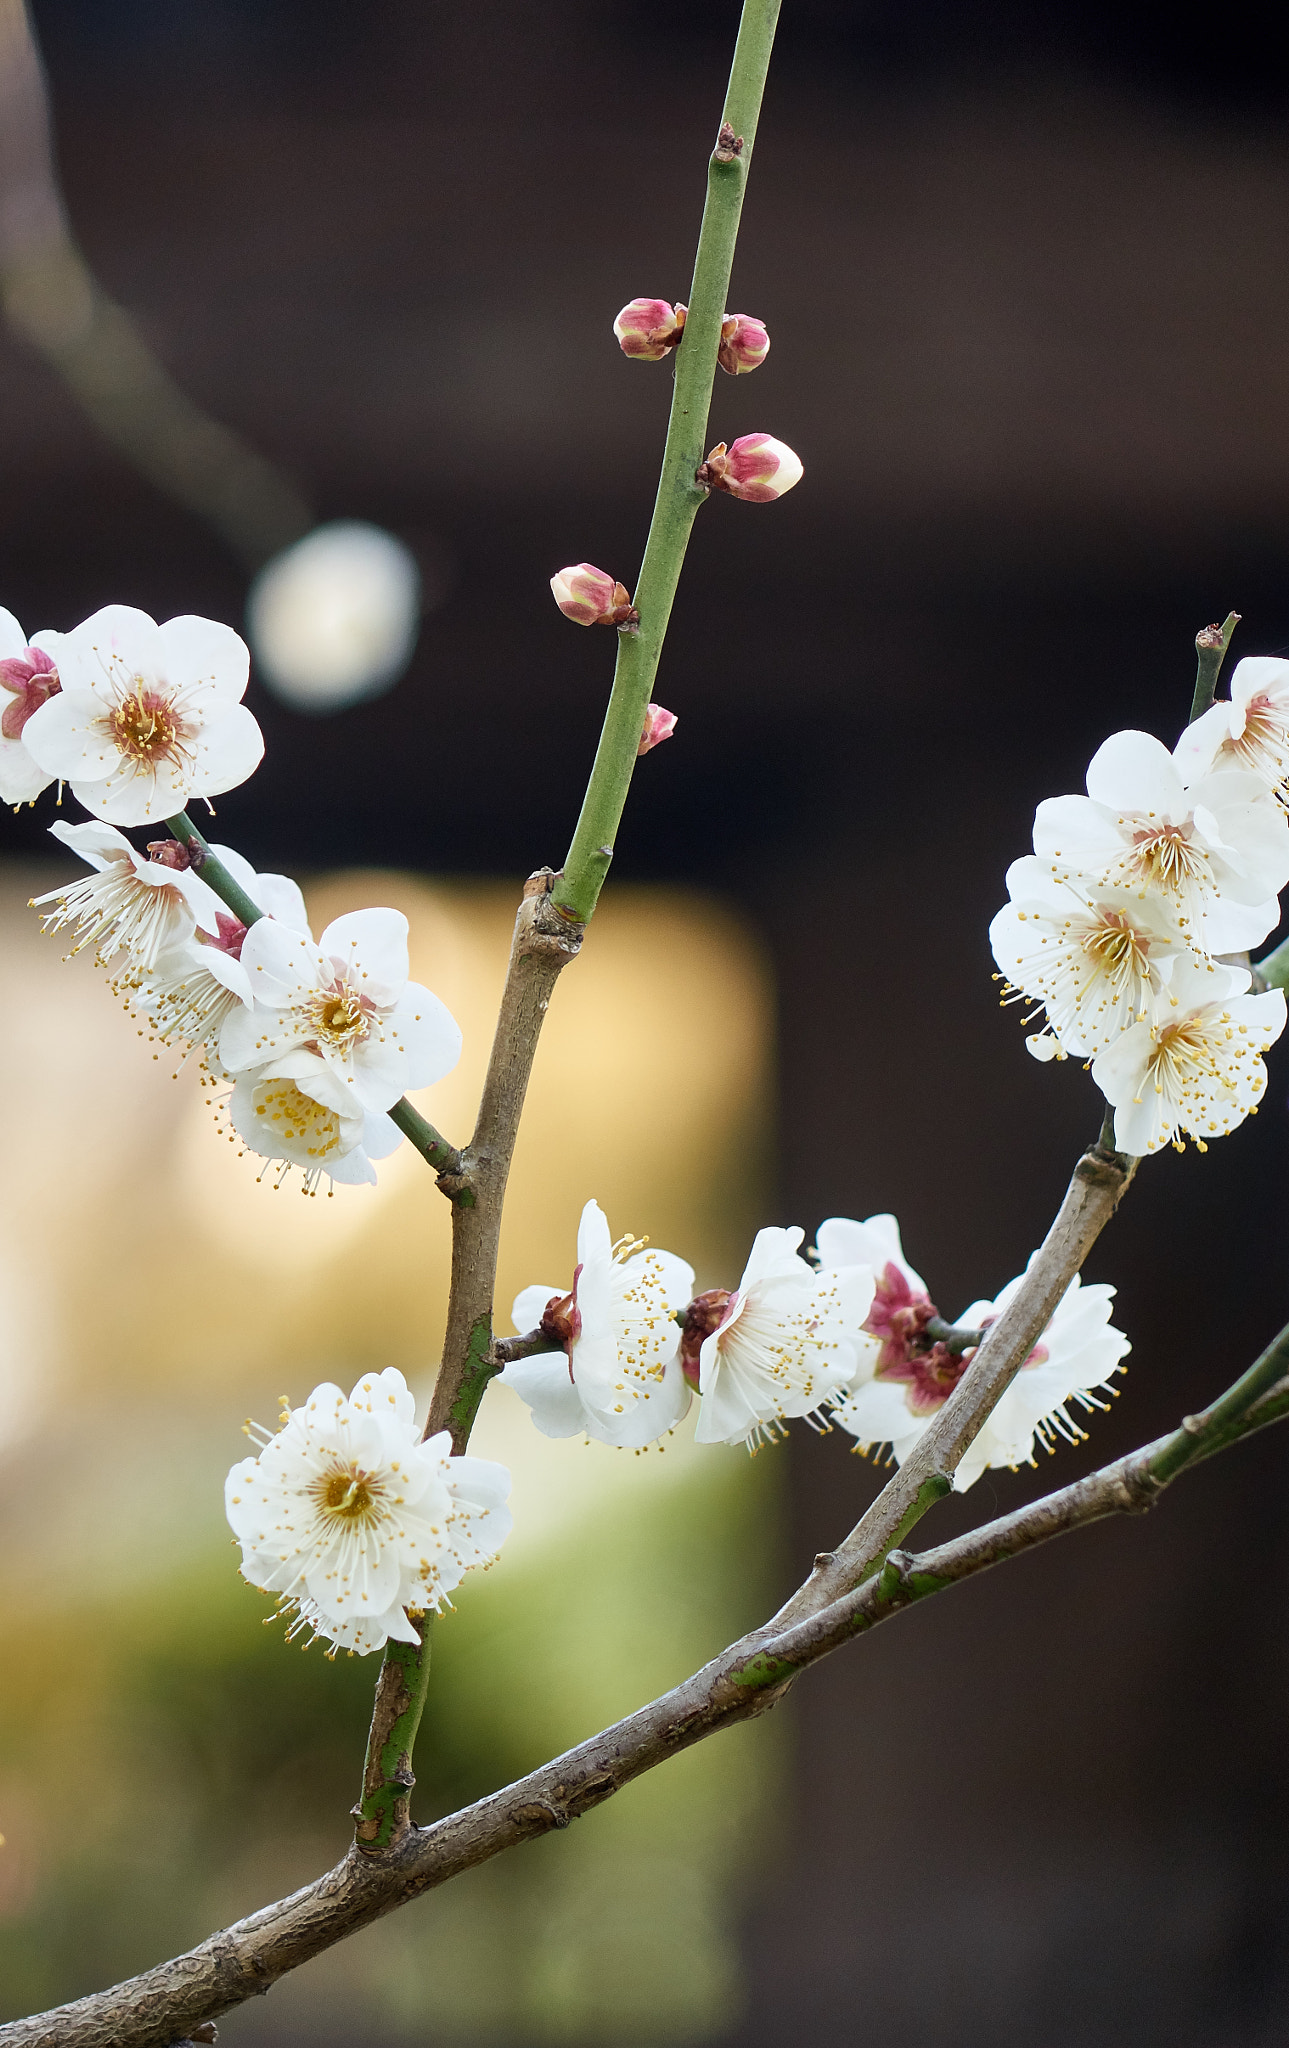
(203, 655)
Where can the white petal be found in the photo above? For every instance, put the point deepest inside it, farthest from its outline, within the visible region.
(373, 945)
(1133, 771)
(202, 654)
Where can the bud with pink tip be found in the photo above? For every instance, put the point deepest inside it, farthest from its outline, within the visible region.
(659, 725)
(744, 343)
(755, 467)
(649, 328)
(592, 598)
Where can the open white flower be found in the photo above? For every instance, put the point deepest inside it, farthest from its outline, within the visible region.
(1216, 852)
(778, 1346)
(1195, 1065)
(28, 678)
(346, 1002)
(618, 1376)
(148, 716)
(356, 1524)
(1092, 954)
(1250, 732)
(198, 982)
(127, 904)
(1072, 1362)
(279, 1116)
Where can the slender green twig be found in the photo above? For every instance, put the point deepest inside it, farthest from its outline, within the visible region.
(1210, 652)
(431, 1144)
(679, 496)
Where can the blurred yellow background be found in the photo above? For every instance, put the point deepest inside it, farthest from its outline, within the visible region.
(166, 1762)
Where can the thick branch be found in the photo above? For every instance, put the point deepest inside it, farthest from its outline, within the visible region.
(428, 1142)
(927, 1473)
(152, 2010)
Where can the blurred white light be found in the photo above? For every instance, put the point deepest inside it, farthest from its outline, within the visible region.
(334, 618)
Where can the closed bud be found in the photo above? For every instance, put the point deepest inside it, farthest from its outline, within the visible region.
(744, 343)
(592, 598)
(659, 725)
(649, 329)
(755, 467)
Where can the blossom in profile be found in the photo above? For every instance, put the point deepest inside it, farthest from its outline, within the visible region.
(1215, 851)
(617, 1373)
(1093, 954)
(1073, 1363)
(1195, 1067)
(756, 467)
(744, 346)
(287, 1117)
(649, 329)
(777, 1346)
(659, 725)
(148, 716)
(1250, 731)
(127, 905)
(900, 1307)
(28, 678)
(591, 597)
(340, 1014)
(358, 1526)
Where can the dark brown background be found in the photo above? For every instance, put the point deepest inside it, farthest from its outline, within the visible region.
(1025, 269)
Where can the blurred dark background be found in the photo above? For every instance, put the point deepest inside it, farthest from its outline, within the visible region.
(1027, 277)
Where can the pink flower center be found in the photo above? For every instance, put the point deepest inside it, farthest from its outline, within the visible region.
(146, 727)
(33, 680)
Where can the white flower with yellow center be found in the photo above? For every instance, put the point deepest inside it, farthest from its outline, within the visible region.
(617, 1375)
(278, 1116)
(1196, 1065)
(1216, 852)
(1250, 732)
(777, 1346)
(148, 716)
(1092, 955)
(356, 1524)
(127, 905)
(345, 1003)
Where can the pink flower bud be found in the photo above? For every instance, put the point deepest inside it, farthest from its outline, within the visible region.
(592, 598)
(744, 343)
(649, 328)
(659, 725)
(32, 680)
(755, 467)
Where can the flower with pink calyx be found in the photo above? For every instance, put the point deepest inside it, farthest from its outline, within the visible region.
(659, 725)
(613, 1371)
(649, 329)
(28, 679)
(1249, 732)
(745, 344)
(756, 467)
(591, 597)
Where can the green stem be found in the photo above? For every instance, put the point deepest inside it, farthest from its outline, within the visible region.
(679, 497)
(382, 1815)
(1210, 652)
(429, 1143)
(1222, 1421)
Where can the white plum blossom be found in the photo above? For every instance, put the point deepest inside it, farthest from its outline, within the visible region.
(1195, 1065)
(128, 904)
(289, 1118)
(1073, 1361)
(618, 1375)
(341, 1015)
(28, 678)
(197, 983)
(1216, 851)
(357, 1525)
(148, 716)
(1250, 732)
(778, 1346)
(1094, 955)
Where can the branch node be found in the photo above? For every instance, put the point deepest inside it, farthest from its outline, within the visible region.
(729, 146)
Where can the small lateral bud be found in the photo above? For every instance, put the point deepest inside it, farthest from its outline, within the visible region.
(168, 853)
(745, 344)
(728, 145)
(649, 329)
(755, 467)
(591, 597)
(659, 725)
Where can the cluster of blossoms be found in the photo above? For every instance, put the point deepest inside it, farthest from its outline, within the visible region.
(358, 1525)
(1129, 925)
(851, 1336)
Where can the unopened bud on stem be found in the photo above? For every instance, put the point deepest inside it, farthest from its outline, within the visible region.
(744, 344)
(649, 328)
(659, 725)
(755, 467)
(591, 597)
